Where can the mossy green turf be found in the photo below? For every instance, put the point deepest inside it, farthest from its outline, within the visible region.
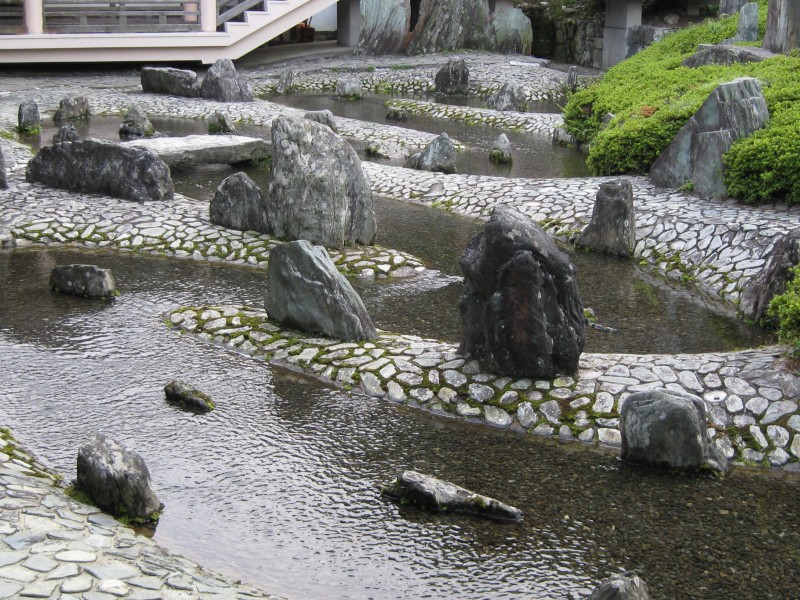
(652, 95)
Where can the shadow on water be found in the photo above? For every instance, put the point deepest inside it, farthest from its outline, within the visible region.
(280, 485)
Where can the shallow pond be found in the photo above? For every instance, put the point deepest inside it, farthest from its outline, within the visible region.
(280, 484)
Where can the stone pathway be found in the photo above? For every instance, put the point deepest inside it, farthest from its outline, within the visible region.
(55, 547)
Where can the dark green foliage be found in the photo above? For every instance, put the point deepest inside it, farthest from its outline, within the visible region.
(785, 308)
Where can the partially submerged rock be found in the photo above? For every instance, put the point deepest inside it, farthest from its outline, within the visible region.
(66, 133)
(239, 204)
(188, 396)
(135, 124)
(305, 290)
(319, 191)
(667, 429)
(102, 167)
(396, 114)
(439, 155)
(224, 84)
(612, 229)
(200, 149)
(74, 108)
(521, 313)
(323, 116)
(349, 89)
(83, 280)
(510, 97)
(434, 494)
(166, 80)
(118, 481)
(621, 587)
(28, 118)
(453, 78)
(220, 123)
(501, 151)
(733, 110)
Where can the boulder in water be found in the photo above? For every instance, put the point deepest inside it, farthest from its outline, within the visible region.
(501, 151)
(29, 120)
(220, 123)
(66, 133)
(439, 155)
(74, 108)
(188, 397)
(621, 587)
(135, 124)
(83, 280)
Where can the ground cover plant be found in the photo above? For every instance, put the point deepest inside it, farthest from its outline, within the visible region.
(631, 115)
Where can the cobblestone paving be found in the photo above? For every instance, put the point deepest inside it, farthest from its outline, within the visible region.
(55, 547)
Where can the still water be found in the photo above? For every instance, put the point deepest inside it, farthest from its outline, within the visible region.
(280, 484)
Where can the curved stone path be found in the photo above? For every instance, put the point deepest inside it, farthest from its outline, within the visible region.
(55, 547)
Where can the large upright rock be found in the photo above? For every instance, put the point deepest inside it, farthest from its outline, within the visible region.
(666, 429)
(733, 110)
(239, 204)
(453, 77)
(323, 116)
(512, 31)
(452, 24)
(621, 587)
(117, 480)
(439, 155)
(349, 89)
(772, 280)
(102, 167)
(166, 80)
(729, 7)
(748, 23)
(28, 118)
(89, 281)
(521, 313)
(612, 229)
(511, 96)
(319, 191)
(385, 25)
(501, 150)
(783, 26)
(74, 108)
(224, 84)
(306, 291)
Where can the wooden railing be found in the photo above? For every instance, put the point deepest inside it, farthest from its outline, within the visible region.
(233, 10)
(98, 16)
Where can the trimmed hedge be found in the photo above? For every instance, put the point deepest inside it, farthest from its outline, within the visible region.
(785, 309)
(652, 95)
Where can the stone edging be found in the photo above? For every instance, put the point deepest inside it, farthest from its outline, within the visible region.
(751, 399)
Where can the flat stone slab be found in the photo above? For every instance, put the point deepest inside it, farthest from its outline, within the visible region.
(183, 152)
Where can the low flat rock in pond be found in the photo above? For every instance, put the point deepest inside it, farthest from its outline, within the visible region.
(621, 587)
(117, 480)
(182, 152)
(430, 493)
(188, 396)
(83, 280)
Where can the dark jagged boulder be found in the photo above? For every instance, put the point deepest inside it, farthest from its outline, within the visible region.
(521, 313)
(75, 108)
(224, 84)
(396, 114)
(385, 25)
(118, 481)
(83, 280)
(612, 229)
(510, 97)
(453, 77)
(513, 33)
(101, 167)
(772, 280)
(319, 191)
(306, 291)
(220, 123)
(439, 155)
(451, 24)
(323, 116)
(666, 429)
(783, 26)
(135, 124)
(621, 587)
(66, 133)
(239, 204)
(188, 397)
(733, 110)
(501, 151)
(166, 80)
(28, 118)
(434, 494)
(727, 55)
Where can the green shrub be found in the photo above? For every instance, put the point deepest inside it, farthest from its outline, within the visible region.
(785, 309)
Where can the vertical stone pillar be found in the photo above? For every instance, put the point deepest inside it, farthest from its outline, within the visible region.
(208, 15)
(348, 22)
(783, 26)
(34, 18)
(621, 15)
